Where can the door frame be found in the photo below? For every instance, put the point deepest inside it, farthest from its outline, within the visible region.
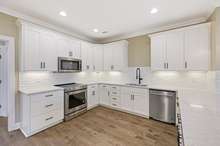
(11, 81)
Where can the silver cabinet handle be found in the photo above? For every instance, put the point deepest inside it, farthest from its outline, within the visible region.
(131, 97)
(93, 67)
(49, 118)
(114, 104)
(114, 98)
(108, 93)
(164, 65)
(49, 105)
(114, 92)
(167, 65)
(49, 95)
(186, 65)
(41, 65)
(87, 67)
(44, 65)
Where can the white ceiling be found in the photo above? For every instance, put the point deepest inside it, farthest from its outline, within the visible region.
(118, 17)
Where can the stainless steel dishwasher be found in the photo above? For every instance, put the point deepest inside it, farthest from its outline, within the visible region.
(163, 105)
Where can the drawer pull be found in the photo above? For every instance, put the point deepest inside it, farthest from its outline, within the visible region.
(114, 92)
(49, 118)
(49, 95)
(114, 98)
(114, 104)
(49, 105)
(114, 87)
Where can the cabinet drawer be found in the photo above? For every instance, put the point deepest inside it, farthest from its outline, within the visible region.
(47, 96)
(116, 93)
(115, 99)
(115, 104)
(115, 88)
(44, 120)
(45, 106)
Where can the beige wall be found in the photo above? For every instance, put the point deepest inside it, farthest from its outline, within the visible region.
(215, 52)
(139, 51)
(8, 27)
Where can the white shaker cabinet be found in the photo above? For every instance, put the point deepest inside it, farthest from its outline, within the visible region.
(104, 96)
(47, 48)
(87, 56)
(116, 56)
(30, 52)
(40, 111)
(135, 100)
(92, 96)
(181, 49)
(75, 49)
(37, 49)
(197, 47)
(97, 51)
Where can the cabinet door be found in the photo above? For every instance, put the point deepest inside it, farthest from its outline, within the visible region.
(92, 94)
(127, 102)
(197, 46)
(108, 49)
(158, 52)
(87, 56)
(48, 51)
(141, 104)
(75, 49)
(104, 97)
(98, 58)
(175, 50)
(31, 50)
(63, 47)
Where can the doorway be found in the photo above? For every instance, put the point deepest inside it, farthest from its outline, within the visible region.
(3, 79)
(7, 81)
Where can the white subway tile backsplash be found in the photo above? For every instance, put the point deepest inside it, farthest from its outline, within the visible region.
(199, 80)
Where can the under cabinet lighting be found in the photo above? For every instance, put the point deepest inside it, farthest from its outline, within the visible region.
(196, 106)
(63, 13)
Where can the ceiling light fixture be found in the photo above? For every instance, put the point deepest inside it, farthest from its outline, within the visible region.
(95, 30)
(196, 106)
(154, 11)
(63, 13)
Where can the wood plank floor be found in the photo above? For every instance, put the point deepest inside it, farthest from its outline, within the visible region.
(98, 127)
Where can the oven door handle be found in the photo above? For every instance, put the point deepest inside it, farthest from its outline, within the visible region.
(76, 92)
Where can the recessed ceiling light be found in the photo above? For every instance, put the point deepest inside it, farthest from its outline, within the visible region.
(63, 13)
(95, 30)
(154, 11)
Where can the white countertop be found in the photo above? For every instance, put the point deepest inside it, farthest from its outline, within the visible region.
(38, 89)
(200, 113)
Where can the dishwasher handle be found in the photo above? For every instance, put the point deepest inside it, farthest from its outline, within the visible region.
(163, 93)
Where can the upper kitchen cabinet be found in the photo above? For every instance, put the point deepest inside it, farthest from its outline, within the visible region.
(36, 49)
(87, 56)
(97, 57)
(181, 49)
(75, 49)
(197, 47)
(116, 56)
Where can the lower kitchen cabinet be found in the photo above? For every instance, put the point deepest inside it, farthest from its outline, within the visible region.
(104, 96)
(135, 100)
(92, 96)
(40, 111)
(128, 99)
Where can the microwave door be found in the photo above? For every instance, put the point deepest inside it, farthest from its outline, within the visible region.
(69, 65)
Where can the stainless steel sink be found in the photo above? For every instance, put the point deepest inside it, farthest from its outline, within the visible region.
(138, 85)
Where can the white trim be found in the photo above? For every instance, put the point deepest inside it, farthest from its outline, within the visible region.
(44, 24)
(155, 30)
(11, 81)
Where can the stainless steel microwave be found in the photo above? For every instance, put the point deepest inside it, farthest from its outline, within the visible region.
(66, 64)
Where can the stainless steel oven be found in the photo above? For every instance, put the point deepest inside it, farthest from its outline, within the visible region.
(66, 64)
(75, 99)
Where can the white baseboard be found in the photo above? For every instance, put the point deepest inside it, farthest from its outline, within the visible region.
(16, 126)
